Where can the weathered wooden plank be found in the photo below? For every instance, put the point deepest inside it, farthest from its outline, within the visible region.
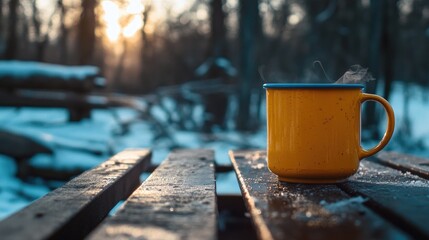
(73, 210)
(406, 163)
(299, 211)
(401, 197)
(219, 168)
(178, 201)
(28, 98)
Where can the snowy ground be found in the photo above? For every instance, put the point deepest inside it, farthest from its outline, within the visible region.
(76, 143)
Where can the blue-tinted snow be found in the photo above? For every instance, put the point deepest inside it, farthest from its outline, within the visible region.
(23, 70)
(15, 194)
(415, 134)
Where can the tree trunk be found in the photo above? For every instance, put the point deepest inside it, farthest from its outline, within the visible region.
(63, 33)
(218, 30)
(249, 35)
(1, 20)
(1, 29)
(41, 41)
(120, 66)
(86, 32)
(12, 39)
(146, 51)
(377, 12)
(216, 103)
(389, 40)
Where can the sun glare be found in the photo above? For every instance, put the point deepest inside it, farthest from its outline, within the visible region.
(121, 20)
(132, 27)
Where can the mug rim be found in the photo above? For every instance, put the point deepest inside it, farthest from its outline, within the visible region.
(310, 85)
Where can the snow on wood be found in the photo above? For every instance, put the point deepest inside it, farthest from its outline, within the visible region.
(37, 75)
(23, 70)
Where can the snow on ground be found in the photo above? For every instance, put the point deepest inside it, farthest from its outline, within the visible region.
(87, 143)
(15, 194)
(80, 145)
(417, 109)
(75, 145)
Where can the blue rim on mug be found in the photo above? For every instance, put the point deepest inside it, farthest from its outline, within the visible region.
(310, 85)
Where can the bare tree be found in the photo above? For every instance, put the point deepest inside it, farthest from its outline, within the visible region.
(120, 65)
(146, 51)
(250, 32)
(63, 33)
(388, 44)
(12, 39)
(1, 17)
(215, 101)
(370, 119)
(1, 28)
(86, 32)
(217, 45)
(36, 25)
(384, 16)
(42, 39)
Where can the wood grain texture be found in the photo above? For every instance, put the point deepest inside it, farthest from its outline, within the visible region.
(178, 201)
(407, 163)
(401, 197)
(72, 211)
(300, 211)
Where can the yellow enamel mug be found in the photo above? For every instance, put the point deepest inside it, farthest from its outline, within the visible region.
(313, 131)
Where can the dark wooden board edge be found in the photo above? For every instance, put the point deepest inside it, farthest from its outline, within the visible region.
(261, 228)
(72, 211)
(405, 163)
(400, 198)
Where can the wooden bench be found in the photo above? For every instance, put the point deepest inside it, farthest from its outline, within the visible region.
(388, 198)
(78, 105)
(36, 84)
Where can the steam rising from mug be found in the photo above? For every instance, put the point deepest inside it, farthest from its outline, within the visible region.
(356, 74)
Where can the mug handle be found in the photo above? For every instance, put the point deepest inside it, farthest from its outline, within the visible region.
(363, 153)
